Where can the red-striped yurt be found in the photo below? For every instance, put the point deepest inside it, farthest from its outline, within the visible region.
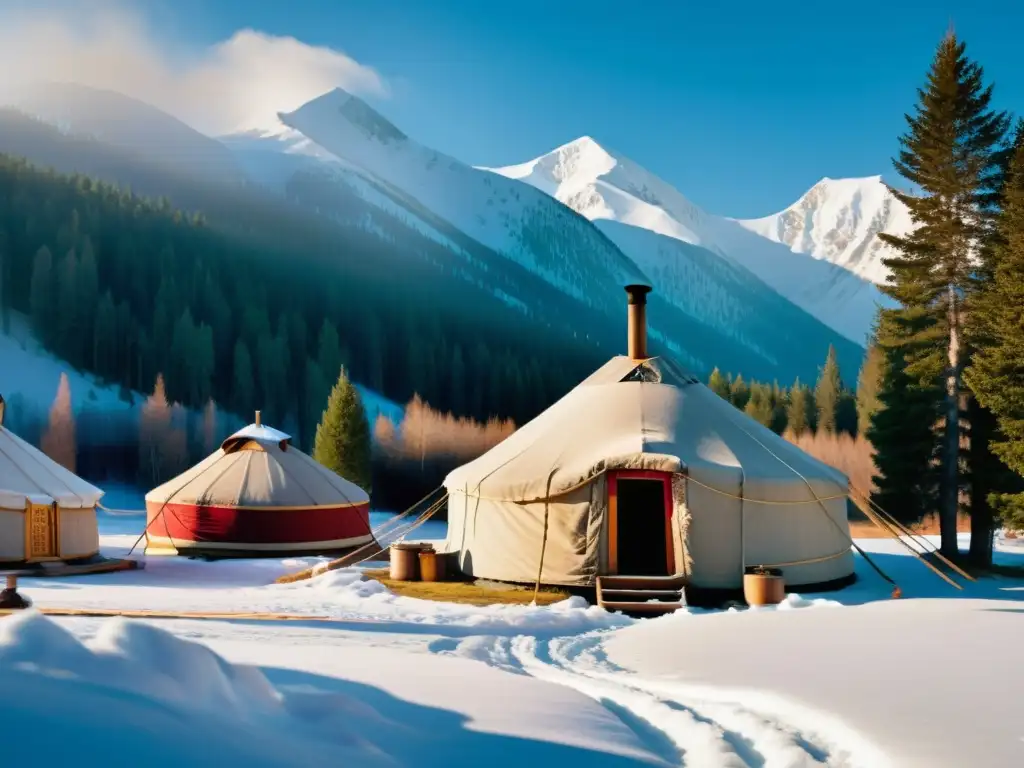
(256, 496)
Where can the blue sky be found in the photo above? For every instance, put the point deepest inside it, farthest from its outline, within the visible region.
(741, 105)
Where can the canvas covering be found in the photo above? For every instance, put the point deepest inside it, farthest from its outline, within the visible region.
(28, 474)
(30, 477)
(257, 467)
(750, 497)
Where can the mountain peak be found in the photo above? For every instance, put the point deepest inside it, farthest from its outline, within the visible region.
(839, 220)
(353, 111)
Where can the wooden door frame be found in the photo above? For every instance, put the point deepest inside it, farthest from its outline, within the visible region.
(613, 513)
(53, 511)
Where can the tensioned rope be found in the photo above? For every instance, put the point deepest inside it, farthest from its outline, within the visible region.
(896, 590)
(373, 547)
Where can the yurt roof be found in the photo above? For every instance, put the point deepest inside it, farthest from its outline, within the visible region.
(642, 415)
(29, 475)
(257, 467)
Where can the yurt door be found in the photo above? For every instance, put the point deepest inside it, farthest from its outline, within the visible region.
(41, 532)
(640, 524)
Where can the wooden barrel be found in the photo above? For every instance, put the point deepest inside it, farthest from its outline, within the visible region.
(431, 565)
(405, 563)
(764, 586)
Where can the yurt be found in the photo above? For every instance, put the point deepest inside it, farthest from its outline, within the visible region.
(642, 470)
(256, 496)
(47, 513)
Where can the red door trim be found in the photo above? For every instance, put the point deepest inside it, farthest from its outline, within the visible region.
(613, 513)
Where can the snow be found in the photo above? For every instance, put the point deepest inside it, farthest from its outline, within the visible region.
(142, 688)
(848, 678)
(508, 217)
(839, 220)
(604, 186)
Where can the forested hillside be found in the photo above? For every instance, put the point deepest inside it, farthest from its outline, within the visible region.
(259, 315)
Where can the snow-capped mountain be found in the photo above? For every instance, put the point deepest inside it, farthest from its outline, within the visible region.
(612, 190)
(128, 124)
(839, 220)
(451, 225)
(509, 218)
(704, 304)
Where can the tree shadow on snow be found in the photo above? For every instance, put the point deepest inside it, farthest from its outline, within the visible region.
(916, 580)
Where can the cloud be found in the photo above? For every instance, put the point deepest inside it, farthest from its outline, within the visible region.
(236, 84)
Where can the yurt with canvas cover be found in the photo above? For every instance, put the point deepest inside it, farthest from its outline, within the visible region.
(256, 496)
(642, 470)
(47, 513)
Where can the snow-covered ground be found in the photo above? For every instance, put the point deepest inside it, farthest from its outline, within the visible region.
(849, 678)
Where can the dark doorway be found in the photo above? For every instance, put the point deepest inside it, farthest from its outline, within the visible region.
(640, 513)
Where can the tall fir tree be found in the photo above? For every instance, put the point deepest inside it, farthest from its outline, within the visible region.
(798, 410)
(739, 392)
(950, 153)
(242, 389)
(5, 282)
(41, 295)
(869, 381)
(902, 428)
(996, 373)
(342, 441)
(759, 406)
(718, 384)
(827, 394)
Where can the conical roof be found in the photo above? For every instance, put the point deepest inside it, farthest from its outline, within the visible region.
(27, 474)
(644, 415)
(258, 468)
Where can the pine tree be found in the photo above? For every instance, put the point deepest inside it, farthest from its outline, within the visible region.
(342, 441)
(869, 382)
(759, 406)
(718, 384)
(87, 300)
(902, 429)
(243, 396)
(105, 347)
(41, 295)
(328, 346)
(5, 282)
(739, 393)
(827, 394)
(996, 373)
(950, 154)
(798, 411)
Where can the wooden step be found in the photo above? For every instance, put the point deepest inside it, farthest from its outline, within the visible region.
(642, 582)
(641, 595)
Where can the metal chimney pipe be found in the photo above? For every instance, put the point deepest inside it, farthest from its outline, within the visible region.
(637, 321)
(258, 421)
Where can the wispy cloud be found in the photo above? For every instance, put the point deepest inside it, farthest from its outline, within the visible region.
(238, 83)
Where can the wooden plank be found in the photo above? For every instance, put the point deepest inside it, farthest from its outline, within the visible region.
(613, 524)
(644, 582)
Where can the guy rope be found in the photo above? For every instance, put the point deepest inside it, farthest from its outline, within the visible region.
(378, 544)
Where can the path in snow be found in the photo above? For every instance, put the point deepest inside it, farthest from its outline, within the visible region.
(684, 725)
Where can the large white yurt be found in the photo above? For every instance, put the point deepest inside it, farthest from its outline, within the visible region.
(257, 495)
(47, 513)
(642, 470)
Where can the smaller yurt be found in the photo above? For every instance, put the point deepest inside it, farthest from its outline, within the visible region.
(47, 513)
(256, 496)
